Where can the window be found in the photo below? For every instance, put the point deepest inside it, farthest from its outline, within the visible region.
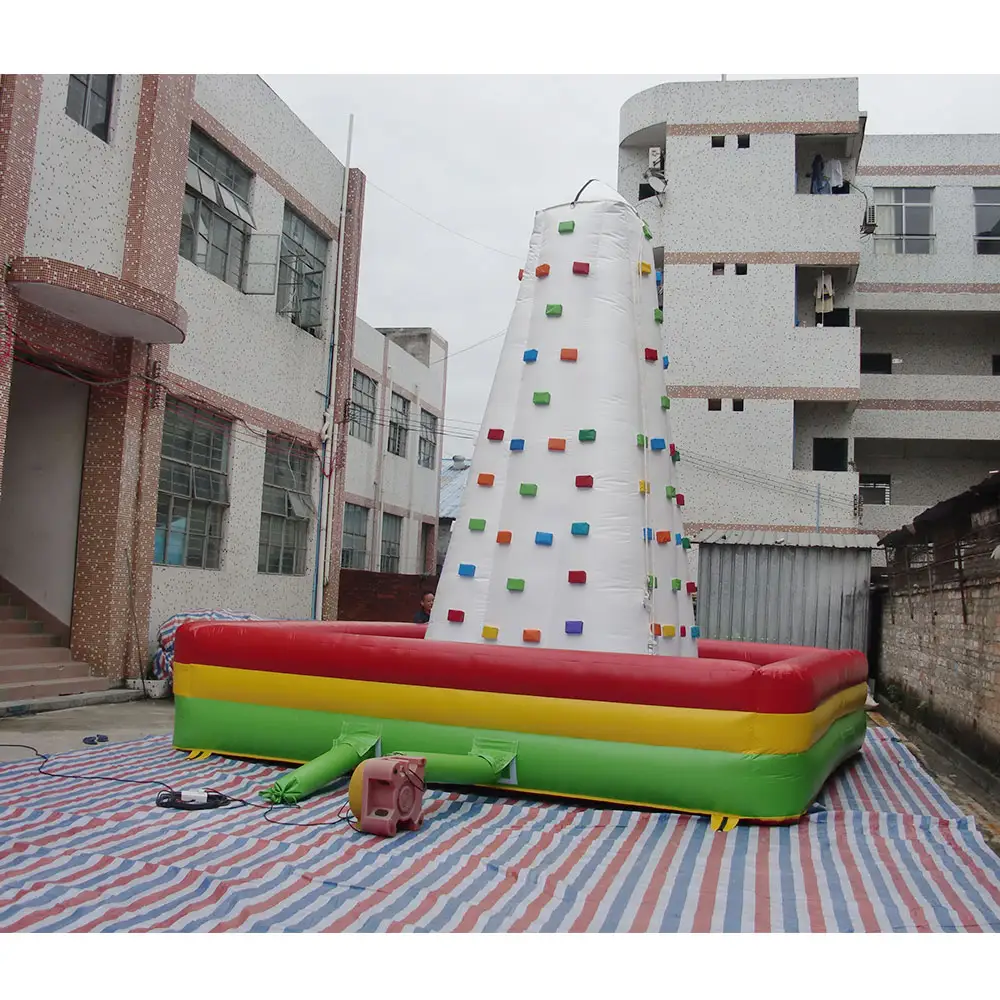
(996, 364)
(743, 142)
(718, 141)
(741, 269)
(876, 364)
(829, 454)
(427, 445)
(392, 535)
(904, 219)
(300, 274)
(427, 549)
(286, 508)
(718, 268)
(874, 488)
(354, 552)
(737, 406)
(215, 220)
(715, 404)
(88, 101)
(399, 420)
(363, 407)
(194, 487)
(987, 202)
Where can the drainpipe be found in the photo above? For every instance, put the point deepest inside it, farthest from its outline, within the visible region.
(323, 547)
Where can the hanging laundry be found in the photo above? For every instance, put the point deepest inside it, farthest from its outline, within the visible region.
(835, 173)
(819, 183)
(824, 294)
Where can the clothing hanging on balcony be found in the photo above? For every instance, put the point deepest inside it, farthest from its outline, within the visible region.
(834, 173)
(824, 294)
(819, 183)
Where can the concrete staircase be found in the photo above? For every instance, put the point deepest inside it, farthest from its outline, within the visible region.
(36, 672)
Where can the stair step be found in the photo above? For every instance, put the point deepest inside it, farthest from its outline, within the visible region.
(22, 673)
(9, 626)
(21, 640)
(53, 703)
(28, 691)
(18, 655)
(8, 611)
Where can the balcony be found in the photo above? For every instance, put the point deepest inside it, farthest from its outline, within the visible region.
(939, 388)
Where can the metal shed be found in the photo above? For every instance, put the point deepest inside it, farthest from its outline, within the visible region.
(801, 588)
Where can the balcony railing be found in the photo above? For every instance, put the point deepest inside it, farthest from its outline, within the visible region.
(948, 388)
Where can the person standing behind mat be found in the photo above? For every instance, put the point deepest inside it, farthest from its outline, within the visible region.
(423, 615)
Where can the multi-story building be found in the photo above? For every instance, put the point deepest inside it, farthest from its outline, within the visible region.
(393, 465)
(830, 302)
(173, 401)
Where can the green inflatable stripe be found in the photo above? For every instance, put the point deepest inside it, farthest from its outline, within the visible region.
(705, 781)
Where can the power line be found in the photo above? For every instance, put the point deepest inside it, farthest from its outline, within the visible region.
(441, 225)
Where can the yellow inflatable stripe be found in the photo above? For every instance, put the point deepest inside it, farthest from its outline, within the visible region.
(617, 722)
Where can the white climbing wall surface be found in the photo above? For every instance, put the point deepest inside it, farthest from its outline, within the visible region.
(570, 534)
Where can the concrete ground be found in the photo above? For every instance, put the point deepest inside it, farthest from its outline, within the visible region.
(57, 732)
(972, 789)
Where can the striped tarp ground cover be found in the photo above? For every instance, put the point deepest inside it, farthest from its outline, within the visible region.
(883, 849)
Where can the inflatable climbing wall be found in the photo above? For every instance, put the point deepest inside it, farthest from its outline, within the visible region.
(570, 533)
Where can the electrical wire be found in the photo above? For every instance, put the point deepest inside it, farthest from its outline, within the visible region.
(42, 769)
(441, 225)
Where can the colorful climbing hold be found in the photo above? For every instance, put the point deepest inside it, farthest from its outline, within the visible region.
(567, 227)
(568, 354)
(668, 631)
(528, 489)
(553, 309)
(466, 569)
(574, 628)
(643, 486)
(454, 615)
(641, 440)
(589, 434)
(532, 635)
(542, 271)
(584, 482)
(490, 631)
(675, 583)
(671, 492)
(477, 524)
(517, 444)
(657, 444)
(504, 537)
(581, 267)
(580, 528)
(530, 356)
(664, 402)
(680, 499)
(647, 534)
(666, 362)
(662, 537)
(515, 584)
(543, 537)
(695, 631)
(541, 398)
(658, 315)
(557, 444)
(651, 353)
(494, 434)
(485, 479)
(577, 576)
(692, 587)
(645, 268)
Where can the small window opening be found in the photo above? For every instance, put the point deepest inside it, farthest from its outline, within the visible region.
(737, 405)
(743, 142)
(715, 404)
(718, 268)
(741, 269)
(996, 364)
(718, 141)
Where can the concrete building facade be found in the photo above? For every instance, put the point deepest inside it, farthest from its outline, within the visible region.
(835, 331)
(169, 368)
(399, 380)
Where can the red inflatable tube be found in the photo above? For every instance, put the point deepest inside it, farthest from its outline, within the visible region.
(395, 653)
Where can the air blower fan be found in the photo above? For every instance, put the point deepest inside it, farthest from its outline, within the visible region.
(387, 794)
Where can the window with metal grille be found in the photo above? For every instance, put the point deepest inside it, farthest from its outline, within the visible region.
(215, 219)
(905, 220)
(194, 487)
(300, 274)
(354, 550)
(987, 208)
(399, 422)
(427, 445)
(287, 509)
(874, 489)
(88, 101)
(392, 537)
(363, 407)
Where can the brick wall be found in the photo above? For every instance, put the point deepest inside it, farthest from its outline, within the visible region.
(381, 597)
(943, 670)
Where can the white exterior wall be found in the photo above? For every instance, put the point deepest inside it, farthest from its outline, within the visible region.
(43, 466)
(80, 184)
(238, 346)
(738, 333)
(389, 481)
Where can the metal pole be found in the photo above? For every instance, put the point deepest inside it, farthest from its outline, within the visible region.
(817, 505)
(329, 416)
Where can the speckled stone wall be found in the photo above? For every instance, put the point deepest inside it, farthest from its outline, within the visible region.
(80, 184)
(111, 599)
(20, 97)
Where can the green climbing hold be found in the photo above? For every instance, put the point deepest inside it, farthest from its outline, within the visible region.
(658, 315)
(514, 584)
(589, 434)
(528, 489)
(641, 440)
(664, 402)
(477, 524)
(553, 309)
(568, 227)
(541, 398)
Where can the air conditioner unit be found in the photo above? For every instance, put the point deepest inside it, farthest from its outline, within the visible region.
(655, 158)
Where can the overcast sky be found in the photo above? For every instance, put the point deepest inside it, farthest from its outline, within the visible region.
(481, 154)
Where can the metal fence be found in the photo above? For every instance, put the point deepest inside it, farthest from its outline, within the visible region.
(797, 594)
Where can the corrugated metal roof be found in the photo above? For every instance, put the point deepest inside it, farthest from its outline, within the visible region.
(452, 487)
(790, 539)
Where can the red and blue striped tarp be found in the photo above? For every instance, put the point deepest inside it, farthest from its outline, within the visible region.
(884, 849)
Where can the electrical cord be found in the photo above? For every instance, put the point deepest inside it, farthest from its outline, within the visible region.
(172, 798)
